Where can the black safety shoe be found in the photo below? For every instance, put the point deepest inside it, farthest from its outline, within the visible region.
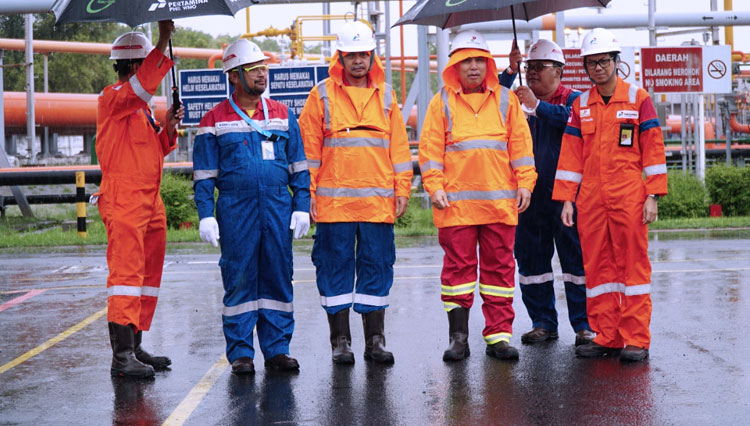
(595, 350)
(243, 366)
(584, 337)
(502, 350)
(633, 354)
(282, 362)
(538, 335)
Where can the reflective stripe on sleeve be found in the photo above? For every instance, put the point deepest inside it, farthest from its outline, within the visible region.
(297, 166)
(356, 143)
(206, 130)
(503, 194)
(632, 93)
(657, 169)
(431, 164)
(569, 176)
(323, 92)
(313, 164)
(536, 279)
(124, 290)
(204, 174)
(446, 110)
(477, 144)
(354, 192)
(523, 161)
(402, 167)
(139, 90)
(342, 299)
(366, 299)
(504, 100)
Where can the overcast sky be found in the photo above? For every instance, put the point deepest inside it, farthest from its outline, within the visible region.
(282, 16)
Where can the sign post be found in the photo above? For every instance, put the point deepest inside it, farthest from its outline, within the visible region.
(691, 69)
(200, 91)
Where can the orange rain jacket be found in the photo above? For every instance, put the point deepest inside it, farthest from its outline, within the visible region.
(131, 153)
(606, 149)
(356, 147)
(480, 157)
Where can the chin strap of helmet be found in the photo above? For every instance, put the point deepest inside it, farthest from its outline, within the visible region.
(242, 79)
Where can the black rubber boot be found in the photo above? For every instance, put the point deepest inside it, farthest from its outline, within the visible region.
(341, 337)
(458, 333)
(158, 362)
(374, 325)
(124, 362)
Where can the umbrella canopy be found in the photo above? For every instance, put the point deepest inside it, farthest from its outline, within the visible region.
(136, 12)
(451, 13)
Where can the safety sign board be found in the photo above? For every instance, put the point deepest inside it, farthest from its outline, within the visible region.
(687, 69)
(292, 85)
(575, 76)
(201, 90)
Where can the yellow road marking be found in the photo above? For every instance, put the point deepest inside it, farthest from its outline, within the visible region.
(53, 341)
(191, 401)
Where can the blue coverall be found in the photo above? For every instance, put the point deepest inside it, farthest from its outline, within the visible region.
(253, 211)
(540, 228)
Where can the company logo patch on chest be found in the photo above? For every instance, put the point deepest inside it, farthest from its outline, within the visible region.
(585, 113)
(627, 114)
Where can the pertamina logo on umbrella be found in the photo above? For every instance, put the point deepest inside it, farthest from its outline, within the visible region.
(176, 5)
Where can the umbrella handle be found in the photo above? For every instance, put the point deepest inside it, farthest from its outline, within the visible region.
(515, 41)
(175, 92)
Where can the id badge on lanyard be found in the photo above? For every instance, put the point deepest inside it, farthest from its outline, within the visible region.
(266, 146)
(626, 134)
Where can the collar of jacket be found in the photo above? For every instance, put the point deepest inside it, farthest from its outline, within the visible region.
(620, 95)
(450, 73)
(376, 74)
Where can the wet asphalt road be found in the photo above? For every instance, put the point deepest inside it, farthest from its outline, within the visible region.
(697, 372)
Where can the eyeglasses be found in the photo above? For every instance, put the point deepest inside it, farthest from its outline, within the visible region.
(365, 54)
(257, 68)
(604, 63)
(536, 66)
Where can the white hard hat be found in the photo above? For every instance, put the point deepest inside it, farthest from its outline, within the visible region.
(355, 36)
(241, 52)
(545, 50)
(133, 45)
(469, 39)
(598, 41)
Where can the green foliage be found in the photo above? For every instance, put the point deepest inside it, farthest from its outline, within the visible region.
(686, 197)
(177, 194)
(67, 72)
(730, 187)
(417, 220)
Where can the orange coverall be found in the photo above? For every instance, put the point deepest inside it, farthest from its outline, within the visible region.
(131, 152)
(478, 148)
(606, 149)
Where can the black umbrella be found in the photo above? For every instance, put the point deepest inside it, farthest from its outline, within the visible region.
(136, 12)
(451, 13)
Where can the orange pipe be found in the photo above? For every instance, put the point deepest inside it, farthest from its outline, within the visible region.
(73, 110)
(737, 127)
(47, 46)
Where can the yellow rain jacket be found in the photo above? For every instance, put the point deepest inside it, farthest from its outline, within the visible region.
(356, 147)
(477, 148)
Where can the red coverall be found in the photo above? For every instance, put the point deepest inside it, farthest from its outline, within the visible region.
(606, 149)
(131, 152)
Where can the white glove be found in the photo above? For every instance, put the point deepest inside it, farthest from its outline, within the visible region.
(300, 223)
(209, 230)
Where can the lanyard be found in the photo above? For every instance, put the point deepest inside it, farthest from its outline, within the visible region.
(254, 125)
(147, 113)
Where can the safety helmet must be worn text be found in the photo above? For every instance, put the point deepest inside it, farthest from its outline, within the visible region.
(545, 50)
(469, 39)
(599, 41)
(241, 52)
(355, 36)
(132, 45)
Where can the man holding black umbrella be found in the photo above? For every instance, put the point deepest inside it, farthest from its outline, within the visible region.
(131, 146)
(547, 105)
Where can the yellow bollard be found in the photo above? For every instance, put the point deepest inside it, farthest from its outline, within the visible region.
(81, 203)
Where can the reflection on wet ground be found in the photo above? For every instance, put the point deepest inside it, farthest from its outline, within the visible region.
(697, 372)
